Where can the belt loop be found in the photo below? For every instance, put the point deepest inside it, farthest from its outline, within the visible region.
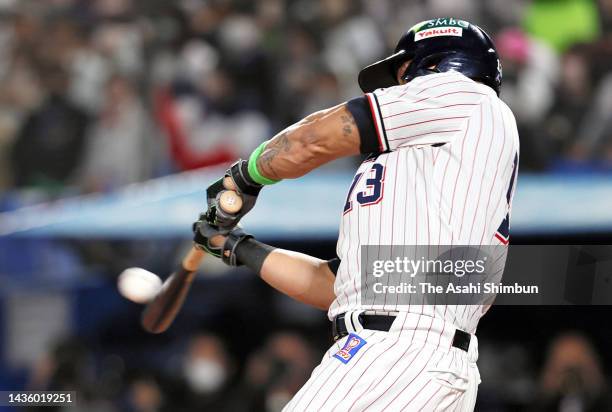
(352, 323)
(473, 350)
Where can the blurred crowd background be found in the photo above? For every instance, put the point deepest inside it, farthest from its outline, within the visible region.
(99, 94)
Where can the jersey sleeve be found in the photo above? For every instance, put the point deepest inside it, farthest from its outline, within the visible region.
(430, 110)
(370, 142)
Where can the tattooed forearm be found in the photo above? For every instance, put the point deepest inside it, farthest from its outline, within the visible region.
(277, 145)
(317, 139)
(348, 123)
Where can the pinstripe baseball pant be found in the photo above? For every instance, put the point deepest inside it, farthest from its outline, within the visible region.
(413, 367)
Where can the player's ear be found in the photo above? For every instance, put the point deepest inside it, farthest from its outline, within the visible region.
(399, 75)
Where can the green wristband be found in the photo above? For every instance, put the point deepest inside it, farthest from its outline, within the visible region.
(253, 172)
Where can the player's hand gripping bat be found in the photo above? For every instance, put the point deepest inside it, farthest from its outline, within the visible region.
(161, 311)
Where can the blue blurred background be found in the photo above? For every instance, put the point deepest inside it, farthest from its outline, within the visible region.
(116, 114)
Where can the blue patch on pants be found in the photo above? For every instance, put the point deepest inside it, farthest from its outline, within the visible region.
(350, 348)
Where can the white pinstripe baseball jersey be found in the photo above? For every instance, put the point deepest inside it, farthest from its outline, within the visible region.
(446, 177)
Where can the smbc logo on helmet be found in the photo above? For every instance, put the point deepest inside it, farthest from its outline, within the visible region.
(439, 23)
(439, 27)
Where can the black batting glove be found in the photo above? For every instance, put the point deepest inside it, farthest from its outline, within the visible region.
(246, 188)
(203, 232)
(234, 238)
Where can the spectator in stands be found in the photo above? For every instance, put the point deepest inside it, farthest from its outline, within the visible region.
(236, 72)
(203, 124)
(531, 71)
(605, 16)
(350, 41)
(299, 56)
(208, 371)
(49, 145)
(275, 373)
(594, 139)
(20, 94)
(69, 366)
(121, 144)
(572, 379)
(145, 395)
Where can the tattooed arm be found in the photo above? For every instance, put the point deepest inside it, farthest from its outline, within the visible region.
(317, 139)
(344, 130)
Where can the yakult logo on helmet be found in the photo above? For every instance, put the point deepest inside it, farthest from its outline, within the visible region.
(439, 27)
(440, 31)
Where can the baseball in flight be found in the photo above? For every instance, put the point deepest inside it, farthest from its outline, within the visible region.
(138, 285)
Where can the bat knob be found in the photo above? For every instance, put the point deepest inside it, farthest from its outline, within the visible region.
(230, 201)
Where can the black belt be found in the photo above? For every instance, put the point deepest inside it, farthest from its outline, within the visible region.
(383, 323)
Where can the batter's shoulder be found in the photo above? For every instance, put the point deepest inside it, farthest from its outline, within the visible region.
(445, 86)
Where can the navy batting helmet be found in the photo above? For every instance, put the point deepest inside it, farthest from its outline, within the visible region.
(448, 44)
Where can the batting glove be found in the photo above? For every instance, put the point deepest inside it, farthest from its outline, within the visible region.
(246, 188)
(203, 232)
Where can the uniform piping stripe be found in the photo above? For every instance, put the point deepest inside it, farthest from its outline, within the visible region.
(377, 120)
(501, 238)
(382, 126)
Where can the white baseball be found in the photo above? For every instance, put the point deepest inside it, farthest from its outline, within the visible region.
(138, 285)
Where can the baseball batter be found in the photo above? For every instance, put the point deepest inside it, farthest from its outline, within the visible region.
(443, 153)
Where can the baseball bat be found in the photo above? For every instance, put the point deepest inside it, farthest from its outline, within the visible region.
(162, 310)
